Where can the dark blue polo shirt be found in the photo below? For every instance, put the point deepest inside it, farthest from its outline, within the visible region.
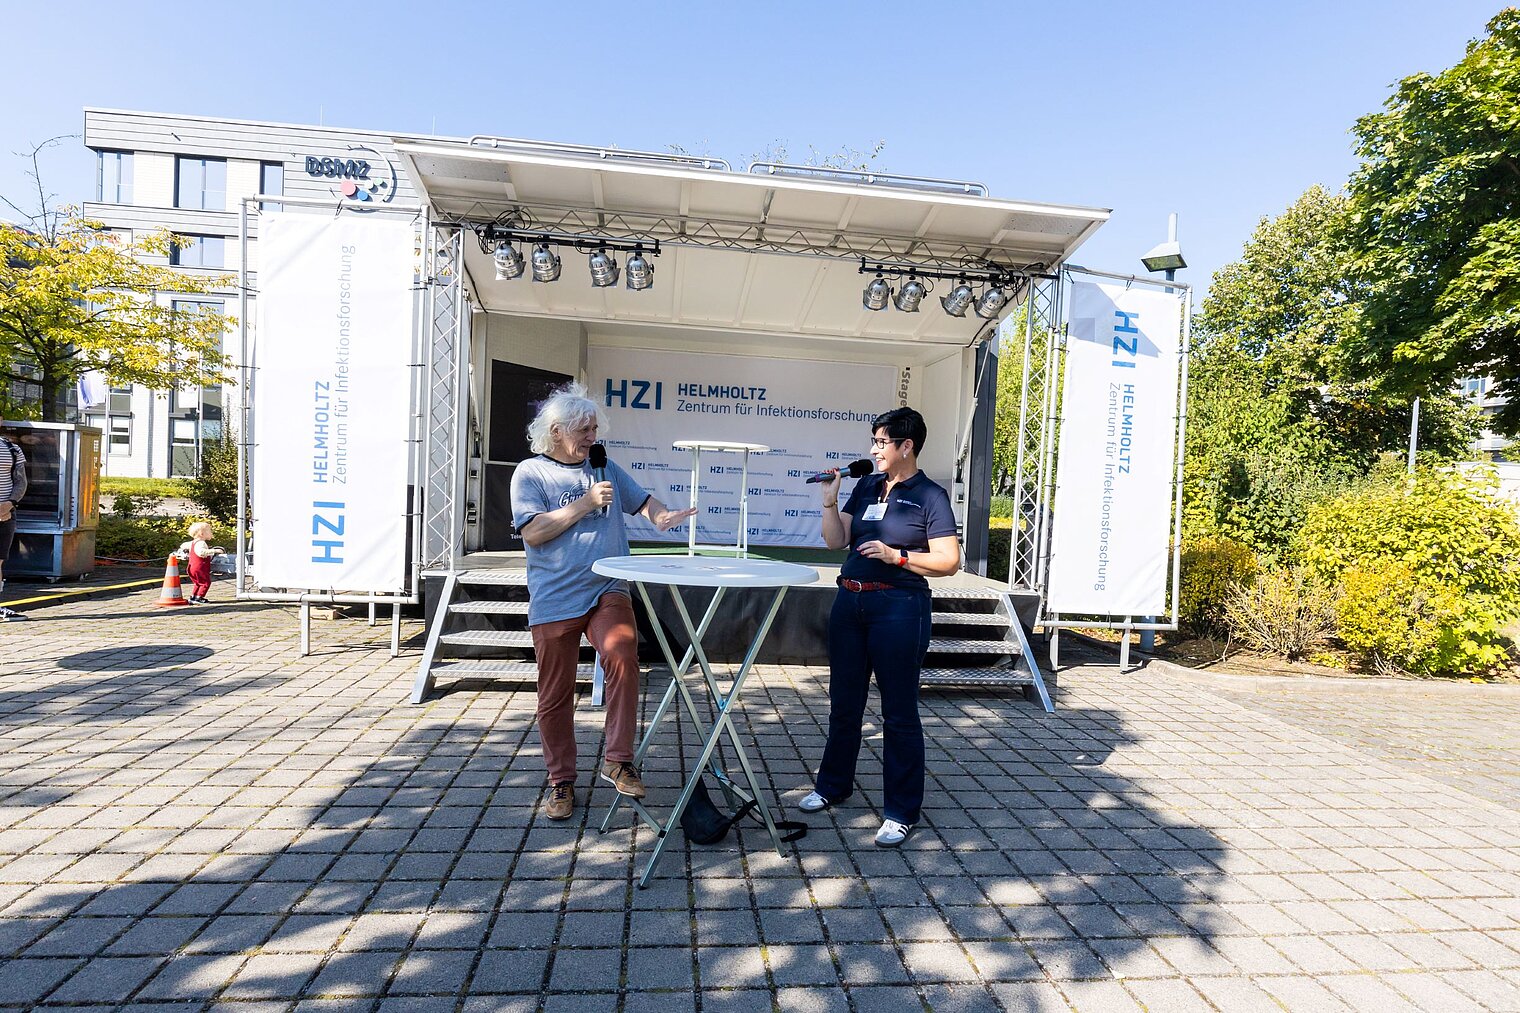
(917, 510)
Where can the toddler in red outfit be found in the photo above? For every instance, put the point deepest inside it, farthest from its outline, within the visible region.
(199, 552)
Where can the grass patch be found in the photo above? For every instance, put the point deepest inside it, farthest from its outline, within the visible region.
(173, 488)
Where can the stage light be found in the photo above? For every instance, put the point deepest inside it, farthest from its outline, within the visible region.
(910, 295)
(877, 294)
(992, 300)
(604, 269)
(509, 263)
(959, 299)
(640, 271)
(546, 264)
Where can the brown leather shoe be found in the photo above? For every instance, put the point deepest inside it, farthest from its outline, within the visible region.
(623, 777)
(561, 803)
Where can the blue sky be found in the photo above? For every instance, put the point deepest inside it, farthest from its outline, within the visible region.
(1221, 112)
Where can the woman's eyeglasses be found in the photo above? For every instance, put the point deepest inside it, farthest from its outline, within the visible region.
(879, 442)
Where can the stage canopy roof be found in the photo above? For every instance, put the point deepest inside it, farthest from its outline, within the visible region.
(741, 253)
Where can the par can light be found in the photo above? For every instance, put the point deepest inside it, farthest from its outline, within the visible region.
(509, 263)
(546, 263)
(959, 298)
(604, 269)
(640, 271)
(877, 294)
(992, 300)
(910, 295)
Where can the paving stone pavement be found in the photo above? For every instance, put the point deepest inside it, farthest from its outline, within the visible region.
(194, 818)
(1460, 734)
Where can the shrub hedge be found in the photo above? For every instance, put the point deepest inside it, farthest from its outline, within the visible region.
(149, 539)
(1430, 568)
(1211, 569)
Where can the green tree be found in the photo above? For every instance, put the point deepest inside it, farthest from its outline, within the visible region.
(1277, 419)
(215, 487)
(74, 298)
(1434, 225)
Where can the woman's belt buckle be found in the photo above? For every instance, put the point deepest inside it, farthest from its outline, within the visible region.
(857, 586)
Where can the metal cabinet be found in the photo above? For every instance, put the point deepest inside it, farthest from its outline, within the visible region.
(56, 521)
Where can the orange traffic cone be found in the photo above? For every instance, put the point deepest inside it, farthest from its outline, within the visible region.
(172, 593)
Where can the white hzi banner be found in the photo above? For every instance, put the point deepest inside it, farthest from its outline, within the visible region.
(812, 414)
(1113, 502)
(331, 402)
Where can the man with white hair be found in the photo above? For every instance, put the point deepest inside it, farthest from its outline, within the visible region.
(557, 509)
(12, 488)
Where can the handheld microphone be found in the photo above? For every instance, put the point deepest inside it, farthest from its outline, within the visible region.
(598, 458)
(857, 469)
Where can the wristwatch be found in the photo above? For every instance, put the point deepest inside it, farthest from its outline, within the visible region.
(902, 557)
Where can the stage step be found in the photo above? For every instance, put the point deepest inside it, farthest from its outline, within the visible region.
(975, 677)
(490, 668)
(510, 576)
(971, 619)
(954, 645)
(492, 638)
(948, 591)
(489, 607)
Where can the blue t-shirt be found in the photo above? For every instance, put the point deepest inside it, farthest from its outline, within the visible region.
(561, 584)
(918, 509)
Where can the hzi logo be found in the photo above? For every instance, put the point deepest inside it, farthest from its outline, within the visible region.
(641, 391)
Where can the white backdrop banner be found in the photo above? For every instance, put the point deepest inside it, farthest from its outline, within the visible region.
(812, 414)
(1113, 503)
(331, 400)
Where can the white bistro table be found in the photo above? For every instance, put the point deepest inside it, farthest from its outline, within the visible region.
(741, 540)
(721, 574)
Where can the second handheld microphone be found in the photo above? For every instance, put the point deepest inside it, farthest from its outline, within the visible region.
(857, 469)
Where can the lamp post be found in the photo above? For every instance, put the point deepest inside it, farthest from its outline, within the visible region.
(1166, 257)
(1414, 433)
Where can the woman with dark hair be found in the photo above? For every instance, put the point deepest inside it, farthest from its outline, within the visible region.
(900, 529)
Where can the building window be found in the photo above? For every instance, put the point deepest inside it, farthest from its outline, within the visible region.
(114, 418)
(199, 409)
(1475, 386)
(119, 434)
(113, 177)
(184, 448)
(200, 183)
(199, 251)
(272, 182)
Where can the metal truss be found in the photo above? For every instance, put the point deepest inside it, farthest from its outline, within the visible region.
(727, 234)
(446, 347)
(1036, 436)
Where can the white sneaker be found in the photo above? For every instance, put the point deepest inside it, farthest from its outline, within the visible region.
(813, 802)
(892, 833)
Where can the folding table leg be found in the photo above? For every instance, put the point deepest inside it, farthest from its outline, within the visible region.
(726, 702)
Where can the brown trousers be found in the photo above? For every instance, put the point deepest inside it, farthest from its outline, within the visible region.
(610, 628)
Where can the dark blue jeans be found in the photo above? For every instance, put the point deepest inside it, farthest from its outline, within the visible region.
(885, 632)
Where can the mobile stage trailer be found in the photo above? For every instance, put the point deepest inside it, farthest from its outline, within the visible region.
(757, 296)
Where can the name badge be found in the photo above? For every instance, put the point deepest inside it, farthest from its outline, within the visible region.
(874, 512)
